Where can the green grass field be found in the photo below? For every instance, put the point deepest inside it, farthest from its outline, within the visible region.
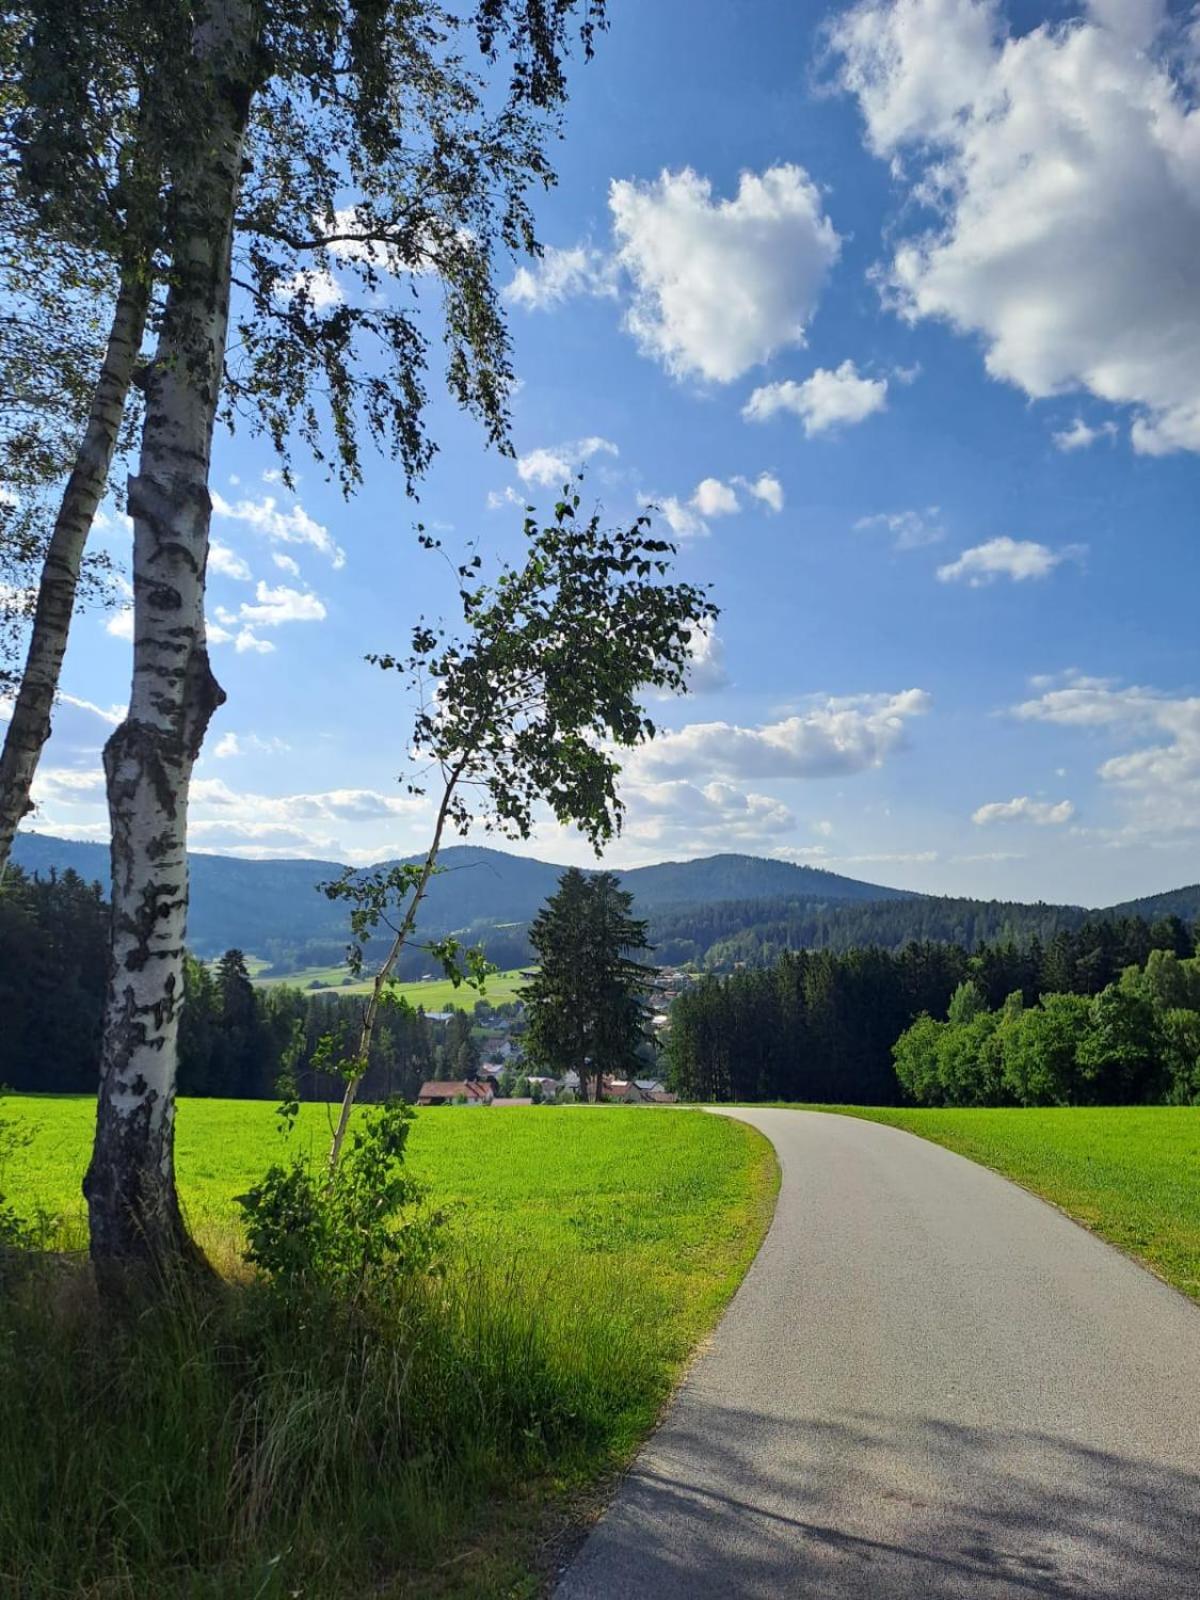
(626, 1180)
(1129, 1173)
(437, 995)
(588, 1251)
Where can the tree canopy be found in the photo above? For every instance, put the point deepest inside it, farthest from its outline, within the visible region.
(586, 1001)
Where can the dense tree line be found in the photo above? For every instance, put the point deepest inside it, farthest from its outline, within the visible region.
(1136, 1042)
(53, 969)
(721, 935)
(234, 1038)
(820, 1025)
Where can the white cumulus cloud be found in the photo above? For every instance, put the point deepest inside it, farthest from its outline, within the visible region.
(1060, 170)
(1079, 436)
(560, 275)
(1018, 559)
(551, 466)
(227, 562)
(1155, 773)
(684, 520)
(248, 642)
(316, 286)
(910, 530)
(831, 738)
(1022, 809)
(766, 487)
(827, 399)
(272, 607)
(719, 285)
(677, 815)
(714, 498)
(294, 526)
(706, 666)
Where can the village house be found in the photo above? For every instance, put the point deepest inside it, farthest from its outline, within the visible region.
(439, 1093)
(637, 1091)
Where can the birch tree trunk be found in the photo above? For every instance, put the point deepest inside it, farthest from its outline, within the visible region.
(133, 1206)
(29, 727)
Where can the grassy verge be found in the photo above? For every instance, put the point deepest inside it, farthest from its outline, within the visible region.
(220, 1451)
(1129, 1173)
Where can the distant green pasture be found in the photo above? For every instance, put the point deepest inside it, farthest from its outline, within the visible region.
(439, 994)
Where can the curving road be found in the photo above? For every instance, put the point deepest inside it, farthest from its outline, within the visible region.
(930, 1384)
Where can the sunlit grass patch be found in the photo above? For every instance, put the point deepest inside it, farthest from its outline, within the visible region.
(227, 1454)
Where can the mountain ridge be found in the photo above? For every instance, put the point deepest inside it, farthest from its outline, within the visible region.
(739, 907)
(260, 905)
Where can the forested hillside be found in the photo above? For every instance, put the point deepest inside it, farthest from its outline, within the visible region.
(233, 1037)
(274, 908)
(815, 1025)
(717, 912)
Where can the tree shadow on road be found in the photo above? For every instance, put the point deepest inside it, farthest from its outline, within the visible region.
(886, 1508)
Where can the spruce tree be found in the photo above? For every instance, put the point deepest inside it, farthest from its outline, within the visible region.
(586, 1004)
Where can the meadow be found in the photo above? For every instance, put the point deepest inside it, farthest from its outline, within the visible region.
(587, 1251)
(1129, 1173)
(436, 994)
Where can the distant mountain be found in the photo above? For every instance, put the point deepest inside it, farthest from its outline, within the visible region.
(269, 907)
(685, 883)
(1183, 903)
(722, 909)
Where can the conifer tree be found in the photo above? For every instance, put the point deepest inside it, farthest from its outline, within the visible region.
(587, 1002)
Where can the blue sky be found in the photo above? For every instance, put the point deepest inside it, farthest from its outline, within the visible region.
(893, 310)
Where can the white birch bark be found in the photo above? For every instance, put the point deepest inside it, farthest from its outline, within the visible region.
(130, 1186)
(29, 727)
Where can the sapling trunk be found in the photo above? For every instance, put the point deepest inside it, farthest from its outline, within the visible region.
(29, 727)
(379, 985)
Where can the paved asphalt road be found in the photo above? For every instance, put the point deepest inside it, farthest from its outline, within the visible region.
(929, 1385)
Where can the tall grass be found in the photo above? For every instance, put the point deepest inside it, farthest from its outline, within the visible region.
(227, 1446)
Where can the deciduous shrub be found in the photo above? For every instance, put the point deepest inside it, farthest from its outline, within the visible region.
(343, 1232)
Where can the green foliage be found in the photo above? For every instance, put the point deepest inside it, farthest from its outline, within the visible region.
(817, 1026)
(1121, 1051)
(528, 708)
(436, 153)
(1132, 1043)
(1181, 1036)
(586, 1002)
(16, 1233)
(53, 972)
(1040, 1051)
(348, 1232)
(966, 1002)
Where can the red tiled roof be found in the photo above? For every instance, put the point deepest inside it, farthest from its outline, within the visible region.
(448, 1091)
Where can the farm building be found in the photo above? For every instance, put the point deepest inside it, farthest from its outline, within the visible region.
(439, 1093)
